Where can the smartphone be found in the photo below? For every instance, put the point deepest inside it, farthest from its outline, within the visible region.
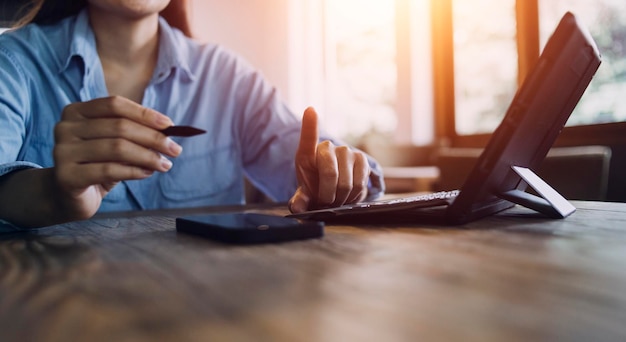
(249, 228)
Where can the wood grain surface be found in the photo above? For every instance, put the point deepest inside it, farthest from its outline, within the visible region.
(132, 277)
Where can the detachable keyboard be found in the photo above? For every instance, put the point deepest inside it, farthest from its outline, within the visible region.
(442, 198)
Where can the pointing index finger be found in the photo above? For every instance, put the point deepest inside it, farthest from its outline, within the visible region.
(309, 135)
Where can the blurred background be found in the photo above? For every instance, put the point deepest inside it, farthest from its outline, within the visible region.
(412, 80)
(350, 56)
(421, 84)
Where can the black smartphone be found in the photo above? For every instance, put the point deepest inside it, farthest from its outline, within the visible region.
(249, 228)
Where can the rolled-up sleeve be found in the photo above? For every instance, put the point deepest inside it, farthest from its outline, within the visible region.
(6, 168)
(14, 109)
(14, 106)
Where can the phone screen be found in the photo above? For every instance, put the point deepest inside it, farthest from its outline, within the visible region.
(249, 228)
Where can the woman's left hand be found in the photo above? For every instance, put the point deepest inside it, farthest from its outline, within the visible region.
(328, 175)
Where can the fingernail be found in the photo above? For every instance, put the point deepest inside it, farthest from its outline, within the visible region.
(298, 206)
(166, 163)
(164, 121)
(174, 147)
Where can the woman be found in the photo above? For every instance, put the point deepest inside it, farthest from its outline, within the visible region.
(85, 88)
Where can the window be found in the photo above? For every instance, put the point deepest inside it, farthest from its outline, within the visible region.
(380, 71)
(468, 108)
(605, 100)
(377, 69)
(360, 67)
(485, 63)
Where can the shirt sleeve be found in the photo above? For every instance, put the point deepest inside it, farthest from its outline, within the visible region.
(6, 168)
(14, 109)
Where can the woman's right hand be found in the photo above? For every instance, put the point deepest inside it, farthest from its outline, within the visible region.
(102, 142)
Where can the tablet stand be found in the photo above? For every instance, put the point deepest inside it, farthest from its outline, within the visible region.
(550, 203)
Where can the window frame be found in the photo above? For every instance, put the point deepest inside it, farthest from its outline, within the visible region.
(528, 45)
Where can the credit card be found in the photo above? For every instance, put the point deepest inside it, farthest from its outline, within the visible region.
(182, 131)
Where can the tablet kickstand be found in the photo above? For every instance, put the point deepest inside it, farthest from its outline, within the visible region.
(551, 203)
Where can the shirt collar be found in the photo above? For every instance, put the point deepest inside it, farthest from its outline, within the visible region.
(82, 43)
(173, 53)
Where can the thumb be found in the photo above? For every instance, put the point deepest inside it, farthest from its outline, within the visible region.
(300, 201)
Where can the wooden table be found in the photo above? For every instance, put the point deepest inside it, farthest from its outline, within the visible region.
(130, 277)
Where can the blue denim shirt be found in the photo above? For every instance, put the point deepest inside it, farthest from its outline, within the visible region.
(250, 131)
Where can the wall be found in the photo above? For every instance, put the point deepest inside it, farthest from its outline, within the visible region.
(282, 38)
